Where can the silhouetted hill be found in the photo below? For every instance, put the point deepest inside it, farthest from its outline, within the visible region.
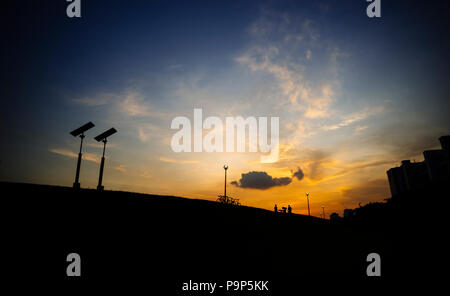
(162, 239)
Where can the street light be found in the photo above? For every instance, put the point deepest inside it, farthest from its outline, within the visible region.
(80, 132)
(307, 198)
(323, 211)
(225, 167)
(102, 137)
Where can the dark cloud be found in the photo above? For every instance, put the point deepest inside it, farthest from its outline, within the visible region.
(298, 174)
(315, 169)
(260, 180)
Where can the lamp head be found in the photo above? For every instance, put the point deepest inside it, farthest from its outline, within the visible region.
(225, 167)
(105, 135)
(80, 131)
(307, 193)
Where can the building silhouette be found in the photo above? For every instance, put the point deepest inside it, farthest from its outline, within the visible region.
(348, 213)
(334, 216)
(414, 175)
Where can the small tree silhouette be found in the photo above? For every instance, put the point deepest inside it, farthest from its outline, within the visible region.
(228, 200)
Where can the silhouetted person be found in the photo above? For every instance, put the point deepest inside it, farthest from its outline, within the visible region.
(289, 209)
(275, 209)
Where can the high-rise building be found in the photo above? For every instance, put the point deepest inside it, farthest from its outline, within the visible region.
(413, 175)
(437, 164)
(397, 181)
(445, 143)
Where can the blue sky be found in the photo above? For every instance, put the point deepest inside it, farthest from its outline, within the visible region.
(354, 95)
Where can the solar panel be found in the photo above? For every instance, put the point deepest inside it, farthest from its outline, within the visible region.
(82, 129)
(105, 134)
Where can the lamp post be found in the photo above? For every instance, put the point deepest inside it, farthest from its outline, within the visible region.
(225, 167)
(76, 184)
(102, 137)
(307, 199)
(102, 165)
(323, 211)
(80, 132)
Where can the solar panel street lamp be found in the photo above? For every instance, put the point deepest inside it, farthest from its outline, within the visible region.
(307, 198)
(80, 132)
(102, 137)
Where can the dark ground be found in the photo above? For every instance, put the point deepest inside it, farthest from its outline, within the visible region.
(158, 242)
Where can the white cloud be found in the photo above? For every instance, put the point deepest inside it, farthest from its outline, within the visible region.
(143, 136)
(319, 106)
(360, 128)
(296, 89)
(171, 160)
(121, 168)
(355, 117)
(145, 174)
(308, 54)
(147, 131)
(133, 104)
(269, 55)
(174, 67)
(99, 100)
(68, 153)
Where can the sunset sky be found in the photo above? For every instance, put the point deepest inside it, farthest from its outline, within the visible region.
(355, 95)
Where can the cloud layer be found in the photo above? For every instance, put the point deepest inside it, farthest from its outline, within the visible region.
(298, 174)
